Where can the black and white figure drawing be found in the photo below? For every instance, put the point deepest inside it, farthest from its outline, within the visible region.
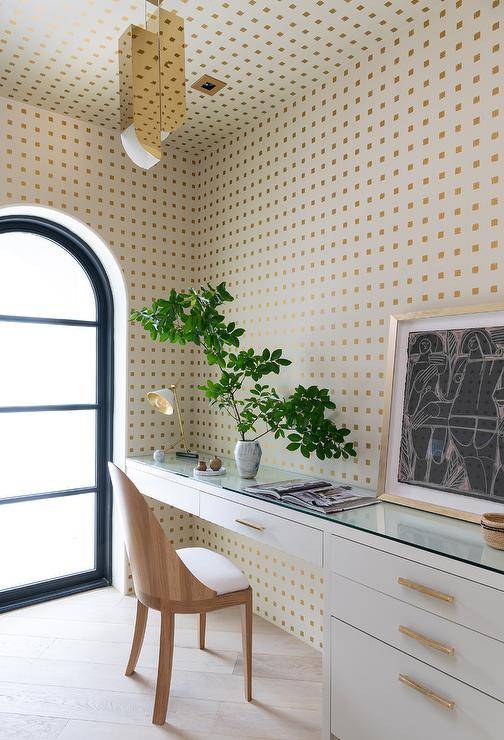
(453, 419)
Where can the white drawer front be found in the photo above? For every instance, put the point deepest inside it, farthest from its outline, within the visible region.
(167, 491)
(467, 655)
(472, 605)
(296, 539)
(369, 702)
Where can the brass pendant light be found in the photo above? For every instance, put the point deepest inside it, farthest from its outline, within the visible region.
(151, 83)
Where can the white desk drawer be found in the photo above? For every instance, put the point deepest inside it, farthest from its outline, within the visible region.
(167, 491)
(470, 604)
(296, 539)
(369, 702)
(467, 655)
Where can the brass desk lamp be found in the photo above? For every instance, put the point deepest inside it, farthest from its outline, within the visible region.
(165, 400)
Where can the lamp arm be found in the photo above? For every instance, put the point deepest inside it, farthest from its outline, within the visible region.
(179, 415)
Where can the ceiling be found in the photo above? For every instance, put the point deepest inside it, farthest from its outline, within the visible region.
(61, 54)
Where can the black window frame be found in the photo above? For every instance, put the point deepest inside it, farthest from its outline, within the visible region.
(101, 575)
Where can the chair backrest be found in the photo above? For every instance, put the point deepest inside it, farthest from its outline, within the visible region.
(160, 577)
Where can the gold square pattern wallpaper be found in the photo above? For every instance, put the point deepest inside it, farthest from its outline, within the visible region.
(375, 192)
(63, 59)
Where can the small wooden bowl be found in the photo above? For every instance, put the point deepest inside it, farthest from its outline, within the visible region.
(493, 530)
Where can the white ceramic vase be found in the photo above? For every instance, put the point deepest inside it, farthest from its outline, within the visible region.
(247, 457)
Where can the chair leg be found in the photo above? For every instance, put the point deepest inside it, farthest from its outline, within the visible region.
(164, 667)
(246, 615)
(202, 629)
(138, 637)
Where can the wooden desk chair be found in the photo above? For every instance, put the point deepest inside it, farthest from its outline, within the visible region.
(187, 581)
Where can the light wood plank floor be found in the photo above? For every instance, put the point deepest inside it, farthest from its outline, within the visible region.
(62, 676)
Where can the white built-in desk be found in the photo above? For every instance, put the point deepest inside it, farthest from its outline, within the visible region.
(414, 625)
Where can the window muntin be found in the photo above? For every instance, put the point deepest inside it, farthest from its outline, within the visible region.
(55, 443)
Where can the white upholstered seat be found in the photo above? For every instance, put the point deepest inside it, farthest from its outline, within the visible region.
(213, 570)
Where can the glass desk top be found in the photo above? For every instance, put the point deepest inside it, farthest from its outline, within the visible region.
(432, 532)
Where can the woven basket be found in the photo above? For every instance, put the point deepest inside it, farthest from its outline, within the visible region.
(493, 530)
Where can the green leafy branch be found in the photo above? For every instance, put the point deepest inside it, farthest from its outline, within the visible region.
(194, 317)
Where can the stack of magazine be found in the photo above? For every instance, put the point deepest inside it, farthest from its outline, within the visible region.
(317, 495)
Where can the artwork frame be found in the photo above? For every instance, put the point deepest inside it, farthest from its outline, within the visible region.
(447, 333)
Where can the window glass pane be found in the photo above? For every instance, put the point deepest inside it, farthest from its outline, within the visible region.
(45, 539)
(43, 364)
(44, 451)
(40, 278)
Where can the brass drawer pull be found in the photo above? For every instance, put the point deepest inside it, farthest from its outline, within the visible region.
(407, 681)
(250, 524)
(434, 644)
(425, 590)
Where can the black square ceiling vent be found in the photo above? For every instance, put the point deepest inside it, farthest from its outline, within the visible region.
(208, 85)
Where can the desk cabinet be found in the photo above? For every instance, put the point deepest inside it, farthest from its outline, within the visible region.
(436, 590)
(460, 652)
(413, 650)
(296, 539)
(414, 636)
(371, 702)
(168, 492)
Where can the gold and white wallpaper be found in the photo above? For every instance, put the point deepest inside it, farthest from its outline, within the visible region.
(375, 189)
(63, 58)
(377, 192)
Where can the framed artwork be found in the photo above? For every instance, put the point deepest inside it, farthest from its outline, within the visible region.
(443, 430)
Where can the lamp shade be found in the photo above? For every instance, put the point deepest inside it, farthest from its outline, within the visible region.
(162, 400)
(135, 150)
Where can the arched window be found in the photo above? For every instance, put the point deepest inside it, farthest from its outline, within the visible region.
(56, 364)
